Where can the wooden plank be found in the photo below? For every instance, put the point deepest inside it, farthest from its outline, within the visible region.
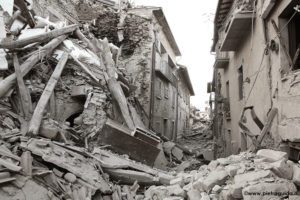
(37, 116)
(114, 86)
(10, 166)
(26, 163)
(10, 44)
(23, 90)
(130, 176)
(266, 128)
(135, 117)
(9, 81)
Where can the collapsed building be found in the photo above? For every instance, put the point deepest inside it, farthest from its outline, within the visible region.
(255, 90)
(90, 98)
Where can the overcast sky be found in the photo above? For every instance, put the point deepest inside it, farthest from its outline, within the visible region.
(191, 22)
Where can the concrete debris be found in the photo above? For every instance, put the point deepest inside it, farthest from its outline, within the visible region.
(225, 180)
(272, 155)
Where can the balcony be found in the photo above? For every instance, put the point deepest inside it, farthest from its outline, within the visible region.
(236, 30)
(222, 60)
(164, 71)
(234, 24)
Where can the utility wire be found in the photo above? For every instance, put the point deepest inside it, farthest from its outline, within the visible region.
(264, 52)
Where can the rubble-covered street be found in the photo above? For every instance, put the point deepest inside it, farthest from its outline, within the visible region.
(95, 106)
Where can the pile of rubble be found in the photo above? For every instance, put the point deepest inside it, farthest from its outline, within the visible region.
(200, 139)
(65, 104)
(199, 123)
(265, 175)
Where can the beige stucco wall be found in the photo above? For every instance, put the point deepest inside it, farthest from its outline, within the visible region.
(270, 90)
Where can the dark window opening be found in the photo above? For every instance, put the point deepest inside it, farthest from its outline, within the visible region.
(72, 118)
(165, 127)
(291, 32)
(227, 103)
(241, 81)
(294, 41)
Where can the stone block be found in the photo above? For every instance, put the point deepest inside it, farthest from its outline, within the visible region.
(283, 169)
(296, 174)
(235, 191)
(177, 153)
(79, 91)
(232, 169)
(272, 155)
(226, 195)
(216, 189)
(242, 179)
(71, 178)
(49, 129)
(289, 131)
(214, 178)
(194, 194)
(204, 196)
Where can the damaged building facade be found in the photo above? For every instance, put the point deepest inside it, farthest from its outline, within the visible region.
(255, 87)
(163, 86)
(160, 88)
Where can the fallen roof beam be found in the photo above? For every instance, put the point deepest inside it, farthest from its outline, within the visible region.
(37, 116)
(9, 82)
(10, 44)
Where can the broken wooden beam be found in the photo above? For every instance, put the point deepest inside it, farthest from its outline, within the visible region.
(267, 126)
(10, 44)
(130, 176)
(37, 116)
(10, 166)
(113, 85)
(26, 163)
(23, 90)
(90, 45)
(9, 82)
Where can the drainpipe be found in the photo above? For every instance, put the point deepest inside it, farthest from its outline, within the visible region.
(151, 111)
(176, 106)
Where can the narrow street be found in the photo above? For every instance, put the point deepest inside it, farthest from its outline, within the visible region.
(96, 102)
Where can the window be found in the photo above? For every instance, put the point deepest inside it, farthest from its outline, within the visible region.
(294, 41)
(240, 82)
(227, 90)
(165, 126)
(173, 98)
(166, 91)
(289, 25)
(227, 103)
